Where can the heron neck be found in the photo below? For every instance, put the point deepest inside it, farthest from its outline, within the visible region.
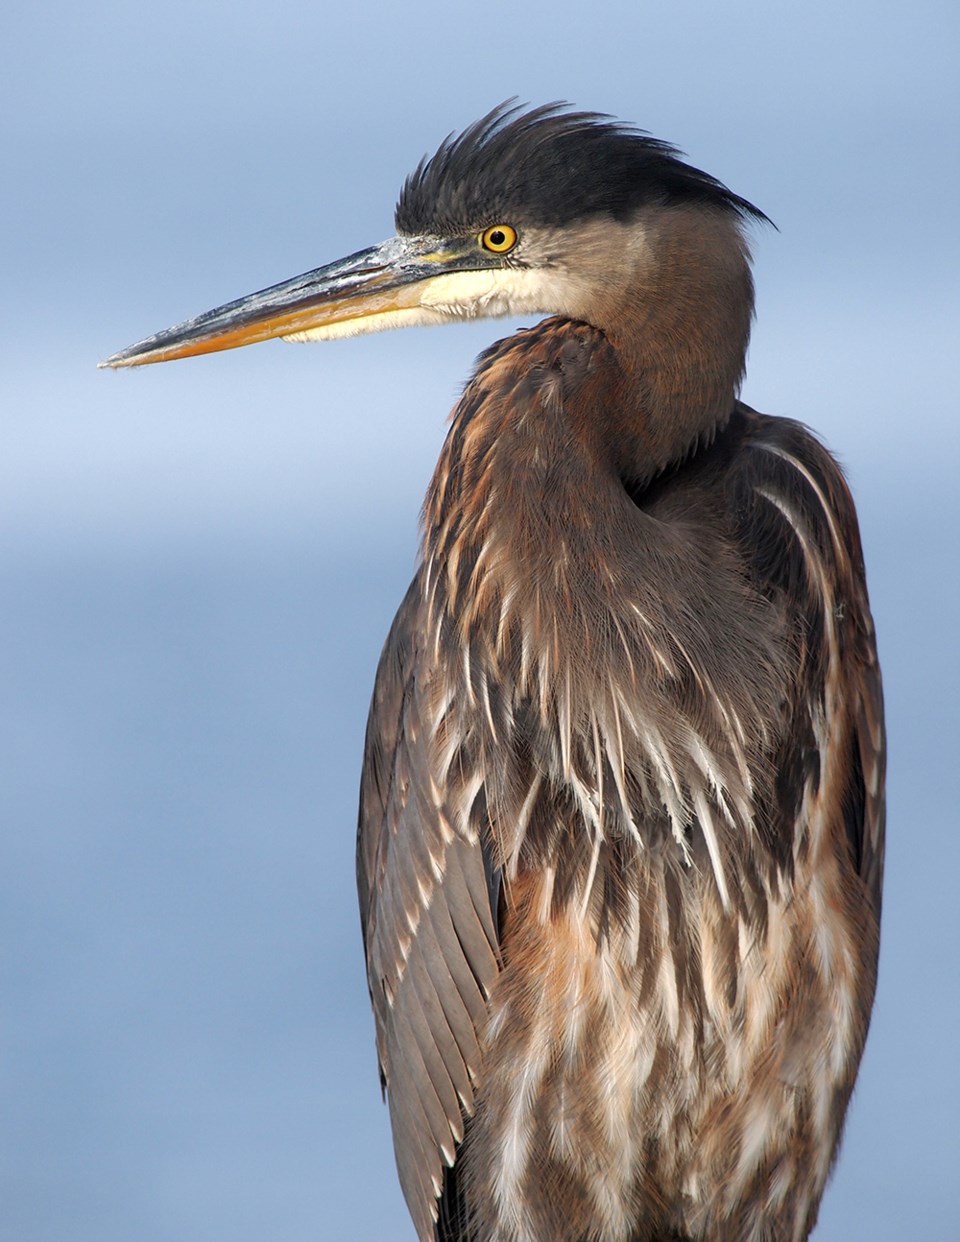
(679, 325)
(563, 424)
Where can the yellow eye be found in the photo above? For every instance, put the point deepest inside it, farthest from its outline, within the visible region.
(499, 238)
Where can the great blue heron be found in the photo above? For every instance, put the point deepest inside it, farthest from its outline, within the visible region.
(621, 820)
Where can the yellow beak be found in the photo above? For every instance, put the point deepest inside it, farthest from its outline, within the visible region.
(376, 288)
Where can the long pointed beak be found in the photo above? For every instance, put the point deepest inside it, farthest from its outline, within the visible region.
(369, 290)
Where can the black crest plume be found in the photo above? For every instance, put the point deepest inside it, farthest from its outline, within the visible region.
(550, 166)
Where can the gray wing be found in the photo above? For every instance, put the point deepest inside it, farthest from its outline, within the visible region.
(429, 930)
(801, 523)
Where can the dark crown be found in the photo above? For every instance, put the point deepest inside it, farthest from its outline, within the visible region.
(550, 166)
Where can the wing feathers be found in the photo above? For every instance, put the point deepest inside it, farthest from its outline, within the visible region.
(432, 950)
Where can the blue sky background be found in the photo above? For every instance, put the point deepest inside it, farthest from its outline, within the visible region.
(198, 563)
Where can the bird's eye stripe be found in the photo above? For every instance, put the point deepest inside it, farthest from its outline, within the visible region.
(499, 238)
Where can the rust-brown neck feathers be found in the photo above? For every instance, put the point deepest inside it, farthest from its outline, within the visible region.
(646, 360)
(641, 372)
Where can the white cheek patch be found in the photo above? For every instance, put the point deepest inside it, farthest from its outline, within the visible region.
(492, 293)
(414, 316)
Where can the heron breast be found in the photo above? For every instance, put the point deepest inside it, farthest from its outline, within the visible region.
(590, 1062)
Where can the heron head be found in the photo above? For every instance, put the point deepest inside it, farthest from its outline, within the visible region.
(527, 211)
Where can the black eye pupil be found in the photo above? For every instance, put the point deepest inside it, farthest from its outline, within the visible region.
(497, 237)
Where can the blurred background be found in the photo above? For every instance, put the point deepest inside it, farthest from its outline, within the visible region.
(198, 563)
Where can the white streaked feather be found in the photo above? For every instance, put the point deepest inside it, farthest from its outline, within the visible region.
(520, 825)
(709, 830)
(591, 876)
(802, 470)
